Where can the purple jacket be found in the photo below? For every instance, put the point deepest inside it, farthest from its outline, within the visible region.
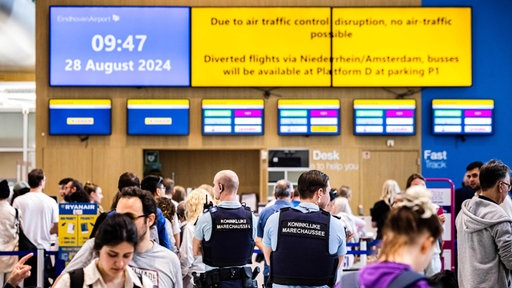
(380, 275)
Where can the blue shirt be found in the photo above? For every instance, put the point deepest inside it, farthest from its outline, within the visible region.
(263, 217)
(337, 237)
(204, 225)
(267, 212)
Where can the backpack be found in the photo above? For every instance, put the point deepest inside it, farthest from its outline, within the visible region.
(76, 278)
(24, 244)
(403, 280)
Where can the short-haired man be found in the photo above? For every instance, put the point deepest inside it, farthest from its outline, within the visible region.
(64, 189)
(224, 236)
(305, 227)
(484, 232)
(150, 259)
(40, 215)
(153, 184)
(283, 191)
(471, 186)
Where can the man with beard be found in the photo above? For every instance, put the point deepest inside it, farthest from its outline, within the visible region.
(150, 259)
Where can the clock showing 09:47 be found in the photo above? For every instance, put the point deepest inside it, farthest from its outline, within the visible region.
(119, 46)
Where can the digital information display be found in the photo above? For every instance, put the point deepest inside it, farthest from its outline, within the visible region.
(158, 116)
(309, 117)
(233, 116)
(402, 47)
(119, 46)
(249, 46)
(371, 47)
(80, 116)
(463, 116)
(384, 116)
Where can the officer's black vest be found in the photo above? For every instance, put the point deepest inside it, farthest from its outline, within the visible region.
(231, 242)
(302, 253)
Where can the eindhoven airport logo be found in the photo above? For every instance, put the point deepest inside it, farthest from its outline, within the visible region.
(88, 19)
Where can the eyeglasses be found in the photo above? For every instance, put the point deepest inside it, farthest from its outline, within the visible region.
(133, 216)
(509, 186)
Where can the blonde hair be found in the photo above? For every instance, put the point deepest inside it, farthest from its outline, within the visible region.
(194, 204)
(340, 205)
(390, 191)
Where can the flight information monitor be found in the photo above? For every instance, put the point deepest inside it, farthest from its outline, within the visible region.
(308, 117)
(233, 116)
(119, 46)
(463, 116)
(384, 116)
(158, 116)
(80, 117)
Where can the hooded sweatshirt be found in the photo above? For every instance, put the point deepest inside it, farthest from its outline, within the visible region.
(484, 240)
(380, 275)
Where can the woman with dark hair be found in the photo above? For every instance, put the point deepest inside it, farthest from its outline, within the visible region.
(115, 245)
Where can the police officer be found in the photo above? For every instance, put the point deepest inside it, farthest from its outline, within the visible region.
(225, 236)
(305, 226)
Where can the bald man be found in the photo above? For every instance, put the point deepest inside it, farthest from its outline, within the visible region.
(224, 236)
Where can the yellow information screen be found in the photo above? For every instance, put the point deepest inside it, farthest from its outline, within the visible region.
(420, 46)
(331, 47)
(261, 47)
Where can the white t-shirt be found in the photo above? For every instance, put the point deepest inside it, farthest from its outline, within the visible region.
(189, 262)
(38, 211)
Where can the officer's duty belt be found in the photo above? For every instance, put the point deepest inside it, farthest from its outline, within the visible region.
(224, 274)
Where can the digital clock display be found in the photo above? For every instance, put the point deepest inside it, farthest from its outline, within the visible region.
(119, 46)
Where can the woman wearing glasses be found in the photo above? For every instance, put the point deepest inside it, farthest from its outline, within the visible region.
(115, 245)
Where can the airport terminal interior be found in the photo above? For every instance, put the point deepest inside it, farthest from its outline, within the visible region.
(364, 91)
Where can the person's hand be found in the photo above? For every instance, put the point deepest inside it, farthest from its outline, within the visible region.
(442, 218)
(20, 271)
(349, 235)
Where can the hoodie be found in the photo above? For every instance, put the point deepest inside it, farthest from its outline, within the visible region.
(380, 275)
(484, 240)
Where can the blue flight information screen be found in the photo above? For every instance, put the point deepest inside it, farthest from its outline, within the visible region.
(233, 116)
(119, 46)
(80, 117)
(158, 116)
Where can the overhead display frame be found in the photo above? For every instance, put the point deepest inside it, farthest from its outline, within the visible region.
(331, 47)
(402, 46)
(119, 46)
(249, 46)
(80, 116)
(463, 116)
(260, 46)
(308, 116)
(384, 117)
(233, 116)
(158, 116)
